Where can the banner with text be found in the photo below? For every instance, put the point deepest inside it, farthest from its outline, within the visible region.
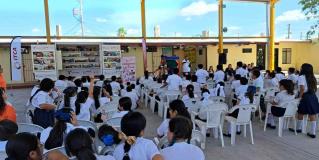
(111, 60)
(16, 62)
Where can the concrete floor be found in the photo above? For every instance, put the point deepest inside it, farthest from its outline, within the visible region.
(268, 146)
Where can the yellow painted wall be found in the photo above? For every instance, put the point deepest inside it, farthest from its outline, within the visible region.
(234, 54)
(5, 63)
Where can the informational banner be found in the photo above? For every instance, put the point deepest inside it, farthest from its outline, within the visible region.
(16, 62)
(111, 60)
(144, 53)
(44, 64)
(129, 69)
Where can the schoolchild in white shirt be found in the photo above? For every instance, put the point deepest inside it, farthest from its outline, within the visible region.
(53, 137)
(84, 102)
(242, 89)
(292, 76)
(61, 83)
(110, 137)
(202, 75)
(186, 66)
(125, 105)
(115, 86)
(7, 129)
(240, 70)
(85, 81)
(197, 86)
(133, 96)
(69, 98)
(258, 80)
(279, 74)
(78, 143)
(186, 82)
(100, 82)
(174, 81)
(176, 107)
(135, 146)
(189, 97)
(202, 115)
(274, 81)
(236, 82)
(70, 82)
(43, 100)
(285, 95)
(219, 75)
(179, 136)
(79, 84)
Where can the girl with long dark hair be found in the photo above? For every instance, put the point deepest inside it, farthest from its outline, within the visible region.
(83, 103)
(309, 102)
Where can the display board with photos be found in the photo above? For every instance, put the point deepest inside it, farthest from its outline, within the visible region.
(43, 59)
(129, 69)
(111, 60)
(80, 60)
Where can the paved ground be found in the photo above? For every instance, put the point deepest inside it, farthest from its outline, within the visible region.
(268, 146)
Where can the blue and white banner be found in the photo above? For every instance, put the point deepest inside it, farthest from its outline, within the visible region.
(16, 62)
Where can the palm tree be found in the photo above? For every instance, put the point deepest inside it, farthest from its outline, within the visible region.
(121, 32)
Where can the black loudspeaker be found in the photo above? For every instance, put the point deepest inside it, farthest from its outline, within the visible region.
(222, 58)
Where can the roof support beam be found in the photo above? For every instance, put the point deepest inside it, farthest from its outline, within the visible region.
(144, 33)
(220, 27)
(47, 21)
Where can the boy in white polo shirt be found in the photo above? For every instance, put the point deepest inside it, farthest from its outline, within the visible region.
(240, 70)
(202, 75)
(174, 81)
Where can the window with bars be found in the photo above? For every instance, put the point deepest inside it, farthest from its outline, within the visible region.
(286, 56)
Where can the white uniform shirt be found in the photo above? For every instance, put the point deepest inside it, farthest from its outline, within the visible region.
(143, 149)
(274, 82)
(115, 87)
(72, 103)
(187, 100)
(197, 87)
(119, 114)
(41, 98)
(182, 151)
(104, 100)
(219, 76)
(283, 97)
(174, 81)
(201, 76)
(86, 84)
(134, 98)
(3, 145)
(259, 82)
(280, 76)
(107, 157)
(293, 78)
(242, 72)
(163, 128)
(241, 90)
(235, 84)
(186, 67)
(85, 110)
(61, 85)
(70, 83)
(185, 83)
(302, 82)
(99, 83)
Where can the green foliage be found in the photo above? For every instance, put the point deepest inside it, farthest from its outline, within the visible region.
(311, 10)
(121, 32)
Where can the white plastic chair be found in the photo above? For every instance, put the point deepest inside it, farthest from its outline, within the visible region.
(114, 122)
(217, 99)
(171, 96)
(291, 110)
(29, 110)
(243, 118)
(88, 124)
(214, 120)
(160, 107)
(31, 128)
(197, 138)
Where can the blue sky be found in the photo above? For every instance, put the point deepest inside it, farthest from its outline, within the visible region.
(175, 17)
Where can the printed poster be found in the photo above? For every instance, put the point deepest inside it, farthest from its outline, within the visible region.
(16, 62)
(129, 69)
(111, 60)
(44, 64)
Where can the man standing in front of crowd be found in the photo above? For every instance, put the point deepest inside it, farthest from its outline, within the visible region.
(186, 66)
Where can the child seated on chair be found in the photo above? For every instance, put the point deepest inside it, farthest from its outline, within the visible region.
(248, 98)
(110, 138)
(8, 129)
(179, 136)
(125, 104)
(241, 90)
(218, 90)
(286, 94)
(202, 115)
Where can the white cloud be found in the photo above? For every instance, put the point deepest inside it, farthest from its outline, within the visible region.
(188, 19)
(292, 15)
(198, 8)
(100, 20)
(35, 30)
(233, 28)
(132, 32)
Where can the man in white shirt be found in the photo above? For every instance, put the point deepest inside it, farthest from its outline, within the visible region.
(219, 75)
(174, 81)
(202, 75)
(115, 86)
(61, 84)
(240, 70)
(186, 66)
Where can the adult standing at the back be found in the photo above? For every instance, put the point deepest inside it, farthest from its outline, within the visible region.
(240, 70)
(186, 66)
(202, 75)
